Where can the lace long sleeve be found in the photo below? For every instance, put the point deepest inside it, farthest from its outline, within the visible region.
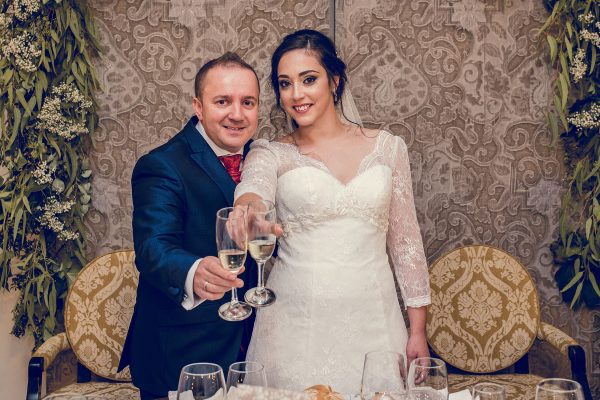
(404, 236)
(259, 172)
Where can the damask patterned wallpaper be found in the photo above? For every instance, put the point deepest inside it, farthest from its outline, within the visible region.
(466, 83)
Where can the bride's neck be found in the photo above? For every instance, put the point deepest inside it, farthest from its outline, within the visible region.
(328, 127)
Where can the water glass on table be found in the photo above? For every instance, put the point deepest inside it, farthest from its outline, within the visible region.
(488, 391)
(232, 244)
(558, 389)
(427, 379)
(201, 381)
(383, 376)
(261, 243)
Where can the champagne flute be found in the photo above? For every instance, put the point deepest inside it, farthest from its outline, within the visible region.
(558, 389)
(488, 391)
(427, 379)
(201, 381)
(232, 242)
(246, 373)
(261, 217)
(383, 376)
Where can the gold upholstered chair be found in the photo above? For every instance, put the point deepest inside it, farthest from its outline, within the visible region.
(98, 310)
(484, 318)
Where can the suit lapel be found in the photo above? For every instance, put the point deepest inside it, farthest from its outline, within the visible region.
(206, 159)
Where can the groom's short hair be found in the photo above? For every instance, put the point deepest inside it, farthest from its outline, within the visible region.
(227, 60)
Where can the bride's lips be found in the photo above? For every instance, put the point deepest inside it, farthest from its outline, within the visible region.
(302, 108)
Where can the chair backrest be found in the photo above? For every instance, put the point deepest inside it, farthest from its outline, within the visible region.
(98, 311)
(485, 311)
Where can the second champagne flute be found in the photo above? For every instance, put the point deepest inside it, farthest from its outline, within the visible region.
(261, 217)
(427, 379)
(232, 242)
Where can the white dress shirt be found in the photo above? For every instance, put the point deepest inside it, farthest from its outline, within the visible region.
(190, 300)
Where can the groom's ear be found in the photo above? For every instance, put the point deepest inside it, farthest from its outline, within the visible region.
(197, 104)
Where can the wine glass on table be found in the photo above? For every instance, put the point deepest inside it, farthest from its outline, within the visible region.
(488, 391)
(383, 376)
(245, 373)
(232, 242)
(558, 389)
(427, 379)
(201, 381)
(261, 243)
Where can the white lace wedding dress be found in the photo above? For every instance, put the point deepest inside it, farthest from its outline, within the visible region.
(336, 298)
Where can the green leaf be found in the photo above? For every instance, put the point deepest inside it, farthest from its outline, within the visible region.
(552, 44)
(592, 60)
(564, 90)
(577, 294)
(8, 74)
(569, 47)
(594, 283)
(572, 282)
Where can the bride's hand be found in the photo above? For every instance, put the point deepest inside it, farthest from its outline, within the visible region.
(416, 347)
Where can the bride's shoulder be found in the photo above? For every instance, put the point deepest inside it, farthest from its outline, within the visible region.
(286, 139)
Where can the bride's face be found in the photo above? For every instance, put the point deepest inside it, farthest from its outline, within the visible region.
(304, 88)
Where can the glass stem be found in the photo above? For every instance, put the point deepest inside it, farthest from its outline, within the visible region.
(260, 287)
(234, 298)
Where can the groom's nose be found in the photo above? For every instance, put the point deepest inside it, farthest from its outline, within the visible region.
(235, 112)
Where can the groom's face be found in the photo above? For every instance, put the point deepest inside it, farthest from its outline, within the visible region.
(228, 106)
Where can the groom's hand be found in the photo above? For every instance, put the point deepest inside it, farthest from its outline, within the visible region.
(212, 281)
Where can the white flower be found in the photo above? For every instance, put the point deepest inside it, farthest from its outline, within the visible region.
(579, 67)
(586, 119)
(24, 49)
(50, 220)
(586, 19)
(591, 36)
(43, 174)
(24, 9)
(51, 117)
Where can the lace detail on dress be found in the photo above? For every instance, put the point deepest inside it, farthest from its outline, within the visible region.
(404, 236)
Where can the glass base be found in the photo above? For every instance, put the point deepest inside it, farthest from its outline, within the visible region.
(237, 312)
(262, 298)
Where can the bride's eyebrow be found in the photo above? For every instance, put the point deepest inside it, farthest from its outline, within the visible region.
(310, 71)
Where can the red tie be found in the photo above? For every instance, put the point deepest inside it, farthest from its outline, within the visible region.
(232, 165)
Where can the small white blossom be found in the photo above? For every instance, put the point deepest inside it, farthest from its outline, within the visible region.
(24, 9)
(50, 220)
(586, 19)
(51, 117)
(586, 119)
(579, 67)
(24, 49)
(43, 173)
(591, 36)
(4, 20)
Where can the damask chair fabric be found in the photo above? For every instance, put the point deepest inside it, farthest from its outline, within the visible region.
(98, 310)
(484, 318)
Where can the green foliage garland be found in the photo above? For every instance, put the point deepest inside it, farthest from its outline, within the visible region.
(573, 34)
(47, 114)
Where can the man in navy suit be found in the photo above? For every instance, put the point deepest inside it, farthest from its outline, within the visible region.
(177, 190)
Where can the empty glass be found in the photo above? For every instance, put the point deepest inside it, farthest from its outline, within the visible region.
(427, 379)
(488, 391)
(558, 389)
(244, 373)
(383, 376)
(201, 381)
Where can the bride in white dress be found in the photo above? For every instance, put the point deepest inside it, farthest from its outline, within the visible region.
(343, 195)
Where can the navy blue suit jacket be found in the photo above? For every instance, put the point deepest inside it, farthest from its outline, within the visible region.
(177, 190)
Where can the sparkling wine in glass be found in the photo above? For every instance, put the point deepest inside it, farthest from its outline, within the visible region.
(427, 379)
(383, 376)
(558, 389)
(261, 243)
(201, 381)
(232, 242)
(244, 373)
(488, 391)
